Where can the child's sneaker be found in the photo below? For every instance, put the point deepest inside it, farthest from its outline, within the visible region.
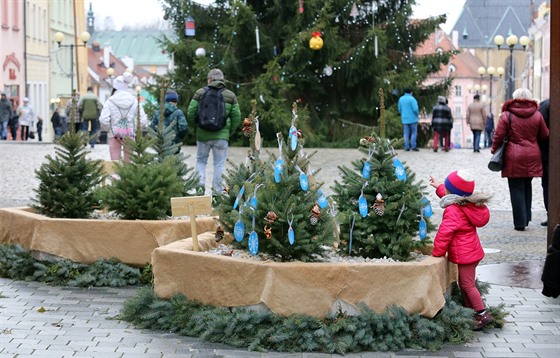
(482, 320)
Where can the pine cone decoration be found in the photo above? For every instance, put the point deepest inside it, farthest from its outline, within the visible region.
(378, 206)
(219, 235)
(247, 127)
(271, 217)
(315, 214)
(267, 232)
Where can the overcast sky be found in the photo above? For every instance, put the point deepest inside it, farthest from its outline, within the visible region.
(135, 12)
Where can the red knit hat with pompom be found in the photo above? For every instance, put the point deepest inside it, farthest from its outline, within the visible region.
(460, 182)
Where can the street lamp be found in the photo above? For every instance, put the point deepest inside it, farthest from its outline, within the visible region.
(511, 41)
(110, 73)
(84, 37)
(491, 71)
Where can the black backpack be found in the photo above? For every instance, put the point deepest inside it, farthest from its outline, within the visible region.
(212, 114)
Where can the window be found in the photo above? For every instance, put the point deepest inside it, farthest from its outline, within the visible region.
(5, 13)
(458, 90)
(458, 112)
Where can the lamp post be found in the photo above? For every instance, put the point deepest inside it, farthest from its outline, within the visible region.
(511, 41)
(84, 37)
(491, 71)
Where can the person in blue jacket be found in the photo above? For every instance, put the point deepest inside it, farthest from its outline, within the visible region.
(408, 108)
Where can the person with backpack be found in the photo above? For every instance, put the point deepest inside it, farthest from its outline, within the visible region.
(216, 113)
(90, 107)
(118, 117)
(172, 113)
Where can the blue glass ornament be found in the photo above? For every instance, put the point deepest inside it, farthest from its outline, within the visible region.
(253, 202)
(366, 170)
(236, 204)
(278, 167)
(303, 182)
(239, 231)
(293, 137)
(322, 199)
(400, 172)
(427, 208)
(363, 206)
(291, 236)
(253, 243)
(422, 229)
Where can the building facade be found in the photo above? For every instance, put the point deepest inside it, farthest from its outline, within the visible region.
(12, 48)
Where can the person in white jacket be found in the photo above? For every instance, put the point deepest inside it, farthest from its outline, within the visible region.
(119, 115)
(26, 118)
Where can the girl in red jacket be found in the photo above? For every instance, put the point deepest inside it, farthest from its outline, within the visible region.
(456, 236)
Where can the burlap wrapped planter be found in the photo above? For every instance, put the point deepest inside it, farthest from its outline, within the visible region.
(313, 289)
(86, 241)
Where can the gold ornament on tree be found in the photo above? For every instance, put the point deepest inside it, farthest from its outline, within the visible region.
(378, 206)
(267, 232)
(316, 42)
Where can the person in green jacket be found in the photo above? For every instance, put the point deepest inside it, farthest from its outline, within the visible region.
(90, 108)
(215, 140)
(172, 113)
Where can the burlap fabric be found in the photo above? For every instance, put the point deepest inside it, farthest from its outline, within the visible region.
(314, 289)
(86, 241)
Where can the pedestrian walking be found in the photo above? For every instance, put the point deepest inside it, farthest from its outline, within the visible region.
(408, 108)
(544, 108)
(6, 113)
(524, 126)
(39, 129)
(172, 113)
(463, 212)
(476, 115)
(442, 123)
(216, 113)
(26, 118)
(489, 130)
(118, 117)
(77, 118)
(90, 108)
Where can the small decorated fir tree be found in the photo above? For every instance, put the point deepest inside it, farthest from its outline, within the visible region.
(166, 149)
(145, 185)
(381, 208)
(277, 207)
(67, 182)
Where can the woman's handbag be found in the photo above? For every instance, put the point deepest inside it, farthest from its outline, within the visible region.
(497, 160)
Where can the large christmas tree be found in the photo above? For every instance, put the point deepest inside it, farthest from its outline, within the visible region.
(263, 47)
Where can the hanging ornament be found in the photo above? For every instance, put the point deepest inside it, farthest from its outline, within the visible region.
(278, 166)
(301, 6)
(316, 42)
(257, 39)
(366, 170)
(219, 235)
(239, 197)
(322, 199)
(366, 141)
(422, 227)
(362, 202)
(239, 229)
(253, 240)
(293, 137)
(247, 127)
(291, 234)
(427, 207)
(327, 71)
(315, 214)
(257, 135)
(400, 172)
(200, 52)
(271, 217)
(190, 27)
(253, 201)
(267, 232)
(303, 181)
(378, 206)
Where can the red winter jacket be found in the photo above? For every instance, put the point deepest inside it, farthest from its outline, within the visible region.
(457, 232)
(522, 156)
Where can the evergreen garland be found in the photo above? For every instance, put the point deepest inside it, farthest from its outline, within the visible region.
(393, 330)
(18, 264)
(68, 181)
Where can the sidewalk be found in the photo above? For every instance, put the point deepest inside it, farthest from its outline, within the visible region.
(77, 321)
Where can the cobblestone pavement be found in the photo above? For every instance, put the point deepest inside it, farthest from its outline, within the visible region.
(80, 322)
